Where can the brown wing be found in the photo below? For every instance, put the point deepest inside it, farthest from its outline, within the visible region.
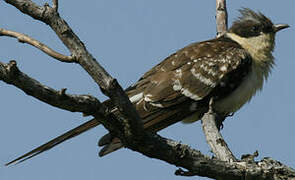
(166, 94)
(182, 84)
(192, 72)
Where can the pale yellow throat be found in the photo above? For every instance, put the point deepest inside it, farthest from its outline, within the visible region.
(259, 47)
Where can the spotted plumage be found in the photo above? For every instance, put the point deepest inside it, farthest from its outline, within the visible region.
(229, 69)
(192, 73)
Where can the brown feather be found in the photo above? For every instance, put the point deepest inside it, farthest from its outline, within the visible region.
(177, 88)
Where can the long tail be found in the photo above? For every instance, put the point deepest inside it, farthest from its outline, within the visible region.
(152, 122)
(68, 135)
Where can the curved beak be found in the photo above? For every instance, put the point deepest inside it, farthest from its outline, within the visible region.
(278, 27)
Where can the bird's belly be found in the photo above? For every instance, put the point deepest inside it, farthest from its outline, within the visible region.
(241, 95)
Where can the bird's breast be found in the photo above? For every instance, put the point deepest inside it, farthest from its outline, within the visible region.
(242, 94)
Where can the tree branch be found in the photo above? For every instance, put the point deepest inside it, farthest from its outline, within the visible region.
(196, 163)
(214, 138)
(132, 124)
(26, 39)
(221, 17)
(55, 5)
(149, 144)
(86, 104)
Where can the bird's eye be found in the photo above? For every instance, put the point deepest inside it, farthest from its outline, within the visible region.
(255, 28)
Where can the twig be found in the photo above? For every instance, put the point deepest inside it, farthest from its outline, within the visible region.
(151, 145)
(221, 17)
(55, 5)
(87, 104)
(109, 86)
(213, 136)
(26, 39)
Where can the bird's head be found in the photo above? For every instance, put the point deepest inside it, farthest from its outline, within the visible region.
(255, 33)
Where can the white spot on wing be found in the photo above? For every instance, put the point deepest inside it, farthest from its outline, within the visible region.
(114, 110)
(210, 64)
(173, 63)
(208, 70)
(203, 79)
(187, 93)
(147, 97)
(136, 97)
(177, 87)
(157, 105)
(223, 68)
(196, 60)
(178, 73)
(139, 101)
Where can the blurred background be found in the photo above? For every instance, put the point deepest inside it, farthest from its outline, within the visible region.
(128, 38)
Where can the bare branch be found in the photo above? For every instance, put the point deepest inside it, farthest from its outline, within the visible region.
(149, 144)
(107, 83)
(10, 74)
(214, 138)
(55, 5)
(26, 39)
(221, 17)
(196, 163)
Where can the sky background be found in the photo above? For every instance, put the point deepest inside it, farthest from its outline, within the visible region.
(128, 38)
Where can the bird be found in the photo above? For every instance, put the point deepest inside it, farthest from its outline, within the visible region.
(229, 69)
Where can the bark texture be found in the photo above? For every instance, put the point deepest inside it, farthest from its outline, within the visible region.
(129, 127)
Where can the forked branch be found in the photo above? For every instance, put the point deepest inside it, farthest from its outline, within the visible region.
(27, 39)
(150, 145)
(86, 104)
